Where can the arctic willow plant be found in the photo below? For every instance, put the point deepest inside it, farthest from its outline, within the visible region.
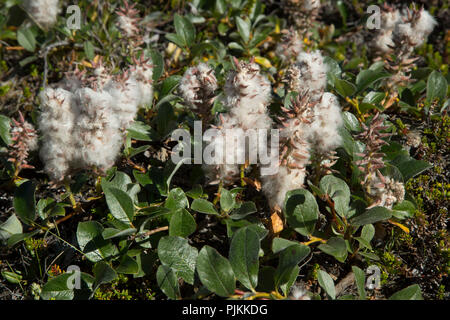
(302, 13)
(401, 32)
(290, 45)
(247, 96)
(24, 139)
(128, 22)
(380, 190)
(310, 127)
(198, 87)
(83, 121)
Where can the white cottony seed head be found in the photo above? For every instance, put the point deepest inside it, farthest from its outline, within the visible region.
(290, 46)
(311, 126)
(82, 127)
(198, 85)
(386, 193)
(247, 96)
(308, 75)
(406, 29)
(323, 131)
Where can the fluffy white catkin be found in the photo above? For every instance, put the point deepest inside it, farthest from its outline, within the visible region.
(311, 125)
(386, 193)
(197, 87)
(323, 132)
(82, 127)
(247, 96)
(44, 12)
(308, 75)
(290, 45)
(407, 29)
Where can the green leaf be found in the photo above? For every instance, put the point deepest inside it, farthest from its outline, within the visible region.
(89, 50)
(185, 30)
(372, 101)
(410, 167)
(291, 280)
(244, 257)
(175, 38)
(169, 84)
(344, 87)
(436, 86)
(26, 39)
(338, 190)
(244, 210)
(119, 180)
(110, 233)
(403, 210)
(258, 37)
(91, 242)
(215, 272)
(62, 287)
(103, 273)
(343, 12)
(289, 259)
(57, 288)
(367, 234)
(127, 265)
(367, 78)
(335, 247)
(243, 26)
(327, 283)
(5, 127)
(369, 255)
(120, 204)
(24, 202)
(279, 244)
(351, 122)
(348, 143)
(175, 252)
(140, 131)
(371, 215)
(12, 277)
(412, 292)
(16, 238)
(158, 64)
(301, 211)
(220, 7)
(10, 227)
(182, 224)
(235, 46)
(47, 207)
(168, 282)
(226, 200)
(203, 206)
(196, 192)
(176, 199)
(334, 70)
(360, 279)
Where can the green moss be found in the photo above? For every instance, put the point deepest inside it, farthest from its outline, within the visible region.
(27, 92)
(441, 293)
(4, 90)
(112, 292)
(124, 288)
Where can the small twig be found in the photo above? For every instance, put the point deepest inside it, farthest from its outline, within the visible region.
(346, 282)
(44, 53)
(151, 232)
